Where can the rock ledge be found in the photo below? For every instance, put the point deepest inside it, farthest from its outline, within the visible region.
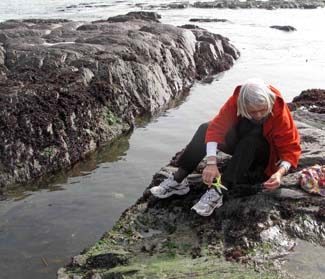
(67, 87)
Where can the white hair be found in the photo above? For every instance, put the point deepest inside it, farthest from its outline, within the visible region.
(254, 94)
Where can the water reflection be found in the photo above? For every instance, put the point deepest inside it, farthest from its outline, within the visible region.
(111, 152)
(46, 222)
(41, 226)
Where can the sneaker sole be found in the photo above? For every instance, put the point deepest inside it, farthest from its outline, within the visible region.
(179, 193)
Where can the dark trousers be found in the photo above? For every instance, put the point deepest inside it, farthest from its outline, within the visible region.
(246, 144)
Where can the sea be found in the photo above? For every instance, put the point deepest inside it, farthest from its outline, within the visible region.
(43, 227)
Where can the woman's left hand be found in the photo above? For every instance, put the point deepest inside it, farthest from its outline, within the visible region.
(273, 182)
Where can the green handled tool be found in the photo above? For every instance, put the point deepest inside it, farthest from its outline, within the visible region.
(218, 184)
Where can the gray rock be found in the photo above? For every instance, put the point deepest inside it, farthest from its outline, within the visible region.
(269, 5)
(208, 20)
(312, 137)
(108, 260)
(68, 87)
(286, 28)
(148, 16)
(61, 274)
(292, 194)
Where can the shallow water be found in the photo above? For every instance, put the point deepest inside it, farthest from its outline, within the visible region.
(306, 261)
(40, 230)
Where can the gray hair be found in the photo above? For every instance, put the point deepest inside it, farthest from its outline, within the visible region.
(254, 93)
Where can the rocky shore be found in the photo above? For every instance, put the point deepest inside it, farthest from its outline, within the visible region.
(237, 4)
(269, 5)
(248, 237)
(68, 87)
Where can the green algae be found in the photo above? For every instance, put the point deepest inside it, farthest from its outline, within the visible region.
(111, 118)
(174, 261)
(230, 244)
(184, 267)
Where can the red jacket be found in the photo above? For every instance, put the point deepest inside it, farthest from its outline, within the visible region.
(279, 130)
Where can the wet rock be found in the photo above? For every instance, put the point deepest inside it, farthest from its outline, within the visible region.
(311, 130)
(83, 6)
(286, 28)
(61, 274)
(218, 58)
(190, 26)
(108, 260)
(167, 6)
(148, 16)
(68, 87)
(312, 100)
(176, 5)
(208, 20)
(291, 193)
(96, 276)
(79, 260)
(269, 5)
(234, 254)
(196, 252)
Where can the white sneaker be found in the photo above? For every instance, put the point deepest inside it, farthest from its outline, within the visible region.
(170, 187)
(208, 202)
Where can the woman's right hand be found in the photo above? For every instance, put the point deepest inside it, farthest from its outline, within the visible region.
(209, 173)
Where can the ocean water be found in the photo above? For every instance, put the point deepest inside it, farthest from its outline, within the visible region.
(40, 230)
(72, 9)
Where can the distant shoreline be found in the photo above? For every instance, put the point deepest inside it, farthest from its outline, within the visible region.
(236, 4)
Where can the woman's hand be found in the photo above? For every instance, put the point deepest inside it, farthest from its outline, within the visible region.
(209, 173)
(274, 181)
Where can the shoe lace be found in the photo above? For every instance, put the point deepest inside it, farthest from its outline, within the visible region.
(166, 183)
(210, 195)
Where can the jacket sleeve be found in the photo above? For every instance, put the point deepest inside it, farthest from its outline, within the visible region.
(285, 136)
(223, 121)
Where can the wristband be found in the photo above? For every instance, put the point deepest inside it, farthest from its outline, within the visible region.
(211, 162)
